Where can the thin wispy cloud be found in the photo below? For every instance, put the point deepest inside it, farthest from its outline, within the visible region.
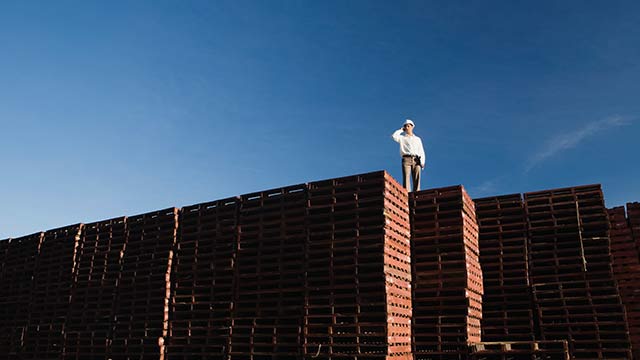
(489, 187)
(570, 140)
(484, 188)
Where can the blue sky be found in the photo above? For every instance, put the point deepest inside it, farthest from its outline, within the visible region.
(111, 108)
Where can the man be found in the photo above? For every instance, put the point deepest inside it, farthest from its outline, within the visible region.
(412, 152)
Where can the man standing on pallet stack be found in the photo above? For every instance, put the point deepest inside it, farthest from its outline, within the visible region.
(412, 153)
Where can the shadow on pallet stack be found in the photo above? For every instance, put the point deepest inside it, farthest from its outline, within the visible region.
(626, 266)
(50, 294)
(19, 264)
(89, 320)
(507, 307)
(141, 305)
(447, 278)
(203, 281)
(269, 294)
(574, 290)
(633, 213)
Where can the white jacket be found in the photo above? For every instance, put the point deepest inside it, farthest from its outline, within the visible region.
(409, 145)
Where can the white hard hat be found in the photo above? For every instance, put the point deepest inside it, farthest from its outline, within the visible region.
(408, 121)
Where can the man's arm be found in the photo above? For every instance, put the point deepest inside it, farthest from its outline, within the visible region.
(396, 136)
(423, 158)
